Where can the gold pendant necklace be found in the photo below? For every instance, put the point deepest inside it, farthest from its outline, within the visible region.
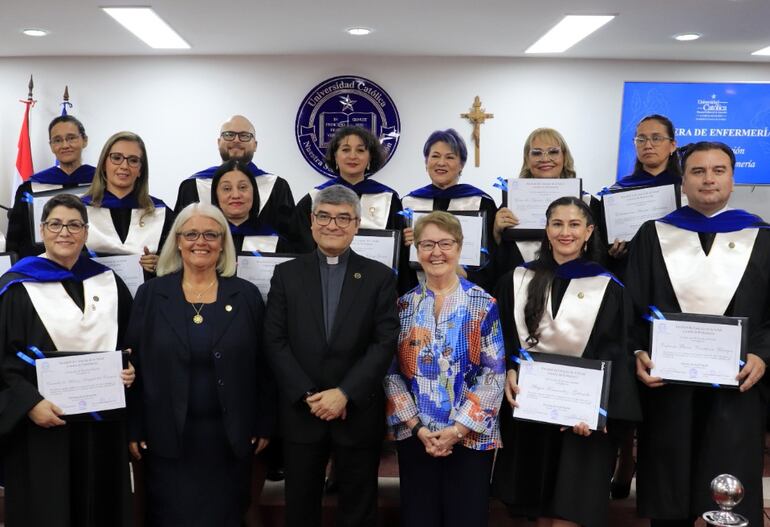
(198, 318)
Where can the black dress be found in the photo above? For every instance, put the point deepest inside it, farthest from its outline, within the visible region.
(207, 485)
(74, 475)
(543, 472)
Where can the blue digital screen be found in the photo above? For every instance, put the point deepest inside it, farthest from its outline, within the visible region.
(737, 114)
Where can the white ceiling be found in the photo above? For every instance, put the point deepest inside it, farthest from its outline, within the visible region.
(731, 29)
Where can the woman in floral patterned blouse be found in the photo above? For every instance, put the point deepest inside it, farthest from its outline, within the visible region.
(445, 387)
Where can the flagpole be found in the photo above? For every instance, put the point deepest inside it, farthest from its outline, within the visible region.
(24, 155)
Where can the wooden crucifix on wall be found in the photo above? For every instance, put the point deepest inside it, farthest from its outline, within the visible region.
(477, 116)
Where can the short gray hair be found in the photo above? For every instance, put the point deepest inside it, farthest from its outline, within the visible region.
(338, 195)
(170, 260)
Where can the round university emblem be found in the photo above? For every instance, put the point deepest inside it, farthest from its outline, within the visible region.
(344, 101)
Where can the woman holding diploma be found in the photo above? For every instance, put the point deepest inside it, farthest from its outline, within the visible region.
(355, 155)
(67, 138)
(444, 387)
(60, 471)
(233, 191)
(546, 156)
(202, 405)
(565, 303)
(125, 219)
(445, 156)
(657, 163)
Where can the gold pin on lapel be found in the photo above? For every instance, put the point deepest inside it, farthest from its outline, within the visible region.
(96, 298)
(581, 295)
(141, 224)
(228, 308)
(731, 245)
(357, 276)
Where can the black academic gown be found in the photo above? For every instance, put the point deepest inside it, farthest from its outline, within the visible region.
(302, 238)
(277, 211)
(691, 434)
(543, 472)
(74, 475)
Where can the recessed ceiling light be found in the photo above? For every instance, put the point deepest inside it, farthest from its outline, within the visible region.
(145, 24)
(763, 51)
(31, 32)
(571, 30)
(358, 31)
(687, 37)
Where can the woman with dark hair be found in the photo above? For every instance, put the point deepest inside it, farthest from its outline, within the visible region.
(657, 159)
(67, 138)
(354, 154)
(234, 192)
(125, 219)
(445, 156)
(657, 164)
(563, 302)
(61, 470)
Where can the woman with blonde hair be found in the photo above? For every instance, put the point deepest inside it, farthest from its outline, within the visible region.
(203, 402)
(124, 217)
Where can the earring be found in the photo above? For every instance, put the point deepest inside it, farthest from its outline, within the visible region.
(549, 246)
(585, 246)
(368, 166)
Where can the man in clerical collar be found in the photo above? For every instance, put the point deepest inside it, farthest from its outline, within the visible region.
(710, 259)
(237, 140)
(331, 330)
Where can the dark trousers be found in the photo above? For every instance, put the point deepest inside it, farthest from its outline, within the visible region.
(356, 470)
(451, 491)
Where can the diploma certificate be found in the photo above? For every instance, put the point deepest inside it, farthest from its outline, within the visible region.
(529, 198)
(82, 383)
(563, 390)
(698, 349)
(259, 270)
(626, 210)
(379, 245)
(6, 261)
(474, 238)
(127, 267)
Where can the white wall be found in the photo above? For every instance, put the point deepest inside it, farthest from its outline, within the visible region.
(177, 105)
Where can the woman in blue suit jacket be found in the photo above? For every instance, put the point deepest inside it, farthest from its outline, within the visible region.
(203, 400)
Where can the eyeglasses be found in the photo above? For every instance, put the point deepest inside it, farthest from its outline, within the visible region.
(343, 220)
(133, 161)
(641, 140)
(243, 137)
(73, 227)
(69, 139)
(551, 153)
(191, 236)
(428, 245)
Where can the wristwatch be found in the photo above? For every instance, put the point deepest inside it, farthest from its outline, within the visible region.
(416, 428)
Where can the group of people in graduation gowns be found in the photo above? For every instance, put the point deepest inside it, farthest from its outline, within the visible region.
(703, 258)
